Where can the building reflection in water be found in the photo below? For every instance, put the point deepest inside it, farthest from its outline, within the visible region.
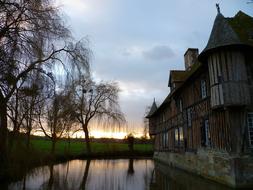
(164, 177)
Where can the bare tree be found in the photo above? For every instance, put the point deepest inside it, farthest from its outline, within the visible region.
(96, 102)
(32, 91)
(15, 113)
(56, 116)
(24, 104)
(21, 22)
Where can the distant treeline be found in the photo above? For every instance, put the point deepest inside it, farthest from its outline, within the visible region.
(99, 140)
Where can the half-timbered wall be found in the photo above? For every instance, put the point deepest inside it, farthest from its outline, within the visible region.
(196, 125)
(210, 109)
(228, 79)
(180, 122)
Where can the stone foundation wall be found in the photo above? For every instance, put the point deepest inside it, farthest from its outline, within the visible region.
(215, 165)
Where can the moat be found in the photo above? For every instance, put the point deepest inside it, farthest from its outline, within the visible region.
(111, 174)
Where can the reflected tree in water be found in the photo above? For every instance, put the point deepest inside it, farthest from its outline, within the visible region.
(81, 174)
(85, 175)
(24, 182)
(53, 181)
(130, 170)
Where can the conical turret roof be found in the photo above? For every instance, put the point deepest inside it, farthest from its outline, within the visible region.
(235, 31)
(152, 109)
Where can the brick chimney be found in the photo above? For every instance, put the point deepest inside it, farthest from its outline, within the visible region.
(190, 57)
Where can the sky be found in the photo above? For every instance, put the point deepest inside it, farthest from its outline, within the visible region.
(137, 42)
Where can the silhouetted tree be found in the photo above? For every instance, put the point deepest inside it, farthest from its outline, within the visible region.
(29, 28)
(96, 101)
(15, 114)
(57, 116)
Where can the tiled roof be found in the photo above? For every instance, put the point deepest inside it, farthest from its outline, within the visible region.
(242, 24)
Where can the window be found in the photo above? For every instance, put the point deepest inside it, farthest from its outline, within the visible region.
(179, 136)
(203, 89)
(165, 143)
(189, 117)
(161, 140)
(205, 134)
(176, 137)
(250, 128)
(173, 85)
(179, 104)
(164, 140)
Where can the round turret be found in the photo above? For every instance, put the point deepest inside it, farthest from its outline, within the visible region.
(225, 56)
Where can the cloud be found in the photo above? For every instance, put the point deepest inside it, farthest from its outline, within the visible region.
(124, 39)
(132, 51)
(156, 53)
(159, 52)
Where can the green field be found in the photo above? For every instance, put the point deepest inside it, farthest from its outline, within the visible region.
(40, 150)
(77, 148)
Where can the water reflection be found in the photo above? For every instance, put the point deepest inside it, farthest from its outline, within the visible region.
(130, 170)
(85, 175)
(119, 174)
(165, 177)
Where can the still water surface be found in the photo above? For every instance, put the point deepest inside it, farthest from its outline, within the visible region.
(120, 174)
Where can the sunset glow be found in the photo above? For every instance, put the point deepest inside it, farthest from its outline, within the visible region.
(107, 134)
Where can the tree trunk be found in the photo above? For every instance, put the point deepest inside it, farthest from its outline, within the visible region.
(53, 146)
(28, 140)
(87, 138)
(15, 132)
(14, 136)
(3, 131)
